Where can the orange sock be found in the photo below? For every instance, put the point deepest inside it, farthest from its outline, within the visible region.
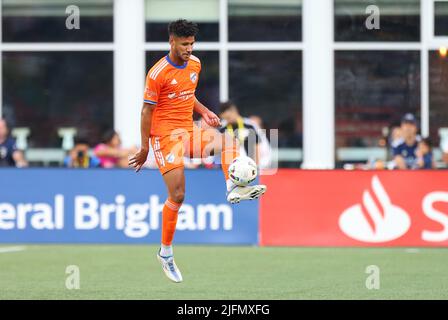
(169, 220)
(227, 156)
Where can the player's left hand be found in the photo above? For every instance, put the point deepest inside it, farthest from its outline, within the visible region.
(211, 119)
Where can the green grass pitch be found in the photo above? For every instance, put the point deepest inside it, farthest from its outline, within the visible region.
(223, 272)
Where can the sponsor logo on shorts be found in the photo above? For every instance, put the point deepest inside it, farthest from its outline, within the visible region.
(170, 158)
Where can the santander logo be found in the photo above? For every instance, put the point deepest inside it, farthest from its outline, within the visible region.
(376, 219)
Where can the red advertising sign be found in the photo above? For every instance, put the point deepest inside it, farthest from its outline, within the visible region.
(355, 208)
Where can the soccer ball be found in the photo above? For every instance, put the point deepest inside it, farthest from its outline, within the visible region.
(242, 171)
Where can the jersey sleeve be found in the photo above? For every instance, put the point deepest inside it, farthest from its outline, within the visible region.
(152, 90)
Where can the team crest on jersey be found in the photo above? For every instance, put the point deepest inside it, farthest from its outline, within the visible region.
(193, 77)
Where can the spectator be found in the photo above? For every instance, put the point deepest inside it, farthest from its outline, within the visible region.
(10, 156)
(444, 148)
(79, 156)
(404, 154)
(242, 129)
(110, 152)
(424, 155)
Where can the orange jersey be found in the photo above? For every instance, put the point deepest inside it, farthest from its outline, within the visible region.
(172, 89)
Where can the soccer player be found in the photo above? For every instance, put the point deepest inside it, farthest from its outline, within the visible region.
(167, 123)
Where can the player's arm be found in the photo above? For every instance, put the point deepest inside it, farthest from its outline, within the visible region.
(209, 116)
(150, 99)
(139, 159)
(145, 124)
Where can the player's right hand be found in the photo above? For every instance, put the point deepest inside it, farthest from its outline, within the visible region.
(138, 160)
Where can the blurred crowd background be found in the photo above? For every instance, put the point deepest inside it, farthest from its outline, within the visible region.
(58, 107)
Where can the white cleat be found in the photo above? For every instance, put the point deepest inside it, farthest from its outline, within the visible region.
(239, 193)
(170, 268)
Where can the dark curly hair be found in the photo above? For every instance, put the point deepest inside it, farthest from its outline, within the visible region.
(183, 28)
